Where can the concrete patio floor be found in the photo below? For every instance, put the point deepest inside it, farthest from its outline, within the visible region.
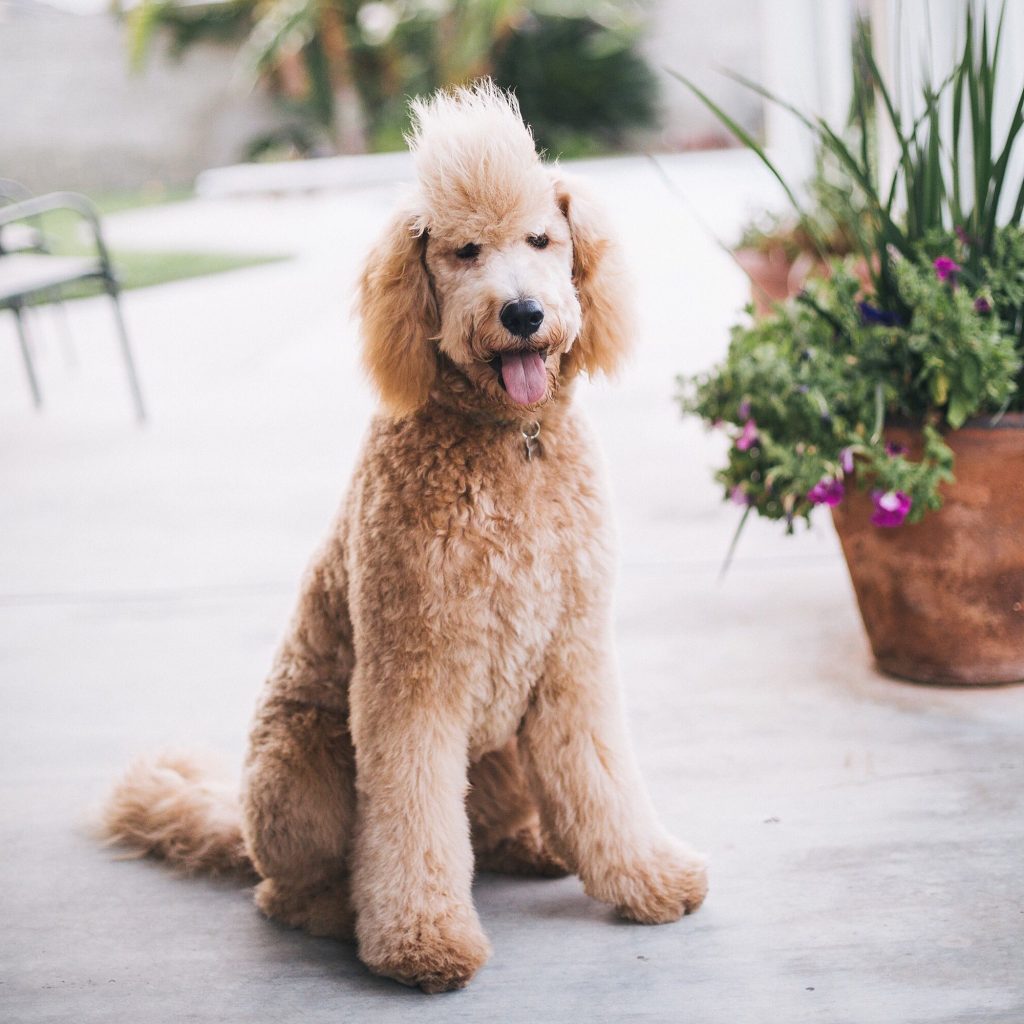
(866, 836)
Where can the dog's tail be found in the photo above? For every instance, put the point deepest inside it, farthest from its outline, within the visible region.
(181, 808)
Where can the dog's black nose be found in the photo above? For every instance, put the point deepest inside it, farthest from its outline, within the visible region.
(522, 317)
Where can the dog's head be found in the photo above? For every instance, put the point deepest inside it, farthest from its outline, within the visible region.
(500, 263)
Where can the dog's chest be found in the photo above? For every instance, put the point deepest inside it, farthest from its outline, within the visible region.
(520, 603)
(475, 565)
(532, 551)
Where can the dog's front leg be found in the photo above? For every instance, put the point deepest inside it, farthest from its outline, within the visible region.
(413, 864)
(593, 802)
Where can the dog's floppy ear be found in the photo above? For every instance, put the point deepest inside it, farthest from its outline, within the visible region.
(399, 316)
(599, 275)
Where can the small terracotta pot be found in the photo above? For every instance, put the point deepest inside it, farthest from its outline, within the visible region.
(772, 277)
(943, 599)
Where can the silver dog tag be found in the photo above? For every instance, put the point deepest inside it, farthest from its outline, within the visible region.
(531, 439)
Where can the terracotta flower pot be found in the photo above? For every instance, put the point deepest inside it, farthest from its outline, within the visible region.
(773, 277)
(943, 600)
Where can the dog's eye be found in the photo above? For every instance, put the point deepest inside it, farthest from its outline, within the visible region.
(538, 241)
(470, 251)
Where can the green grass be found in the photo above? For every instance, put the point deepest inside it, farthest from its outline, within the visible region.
(144, 269)
(67, 235)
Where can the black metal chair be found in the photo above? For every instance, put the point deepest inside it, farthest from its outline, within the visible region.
(30, 273)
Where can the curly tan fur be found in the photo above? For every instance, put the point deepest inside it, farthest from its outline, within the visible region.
(181, 808)
(445, 698)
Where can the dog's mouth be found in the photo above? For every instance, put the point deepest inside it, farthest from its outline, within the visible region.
(522, 373)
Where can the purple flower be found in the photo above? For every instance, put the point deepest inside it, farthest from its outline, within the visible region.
(945, 267)
(891, 507)
(827, 491)
(982, 305)
(873, 315)
(894, 448)
(744, 409)
(738, 496)
(748, 438)
(846, 460)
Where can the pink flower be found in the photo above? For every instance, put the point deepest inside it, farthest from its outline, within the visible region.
(744, 409)
(748, 438)
(846, 460)
(827, 491)
(738, 496)
(945, 267)
(891, 507)
(982, 305)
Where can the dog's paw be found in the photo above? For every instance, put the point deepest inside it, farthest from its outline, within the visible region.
(323, 910)
(434, 955)
(524, 853)
(660, 888)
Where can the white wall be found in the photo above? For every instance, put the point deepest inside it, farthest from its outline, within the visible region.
(806, 57)
(71, 114)
(699, 38)
(806, 60)
(912, 36)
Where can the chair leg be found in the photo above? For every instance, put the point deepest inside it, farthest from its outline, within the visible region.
(67, 343)
(129, 362)
(26, 355)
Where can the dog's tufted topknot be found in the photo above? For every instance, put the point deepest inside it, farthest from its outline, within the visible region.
(476, 160)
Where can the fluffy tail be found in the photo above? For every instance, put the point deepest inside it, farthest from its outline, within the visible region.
(180, 808)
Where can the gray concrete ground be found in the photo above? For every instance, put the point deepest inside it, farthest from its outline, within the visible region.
(865, 835)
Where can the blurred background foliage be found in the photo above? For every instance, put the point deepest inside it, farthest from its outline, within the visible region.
(342, 70)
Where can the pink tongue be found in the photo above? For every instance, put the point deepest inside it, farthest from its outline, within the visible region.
(524, 376)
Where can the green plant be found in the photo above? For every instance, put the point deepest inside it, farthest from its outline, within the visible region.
(1003, 274)
(338, 62)
(925, 192)
(806, 393)
(770, 233)
(343, 70)
(827, 227)
(937, 336)
(580, 82)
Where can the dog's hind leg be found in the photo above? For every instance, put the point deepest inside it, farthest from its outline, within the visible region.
(506, 831)
(299, 790)
(299, 808)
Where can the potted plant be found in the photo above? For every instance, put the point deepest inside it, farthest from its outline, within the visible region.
(899, 403)
(779, 253)
(776, 255)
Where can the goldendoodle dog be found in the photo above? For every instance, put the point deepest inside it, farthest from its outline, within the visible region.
(445, 697)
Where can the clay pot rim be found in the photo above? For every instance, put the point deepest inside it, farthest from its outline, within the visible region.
(775, 257)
